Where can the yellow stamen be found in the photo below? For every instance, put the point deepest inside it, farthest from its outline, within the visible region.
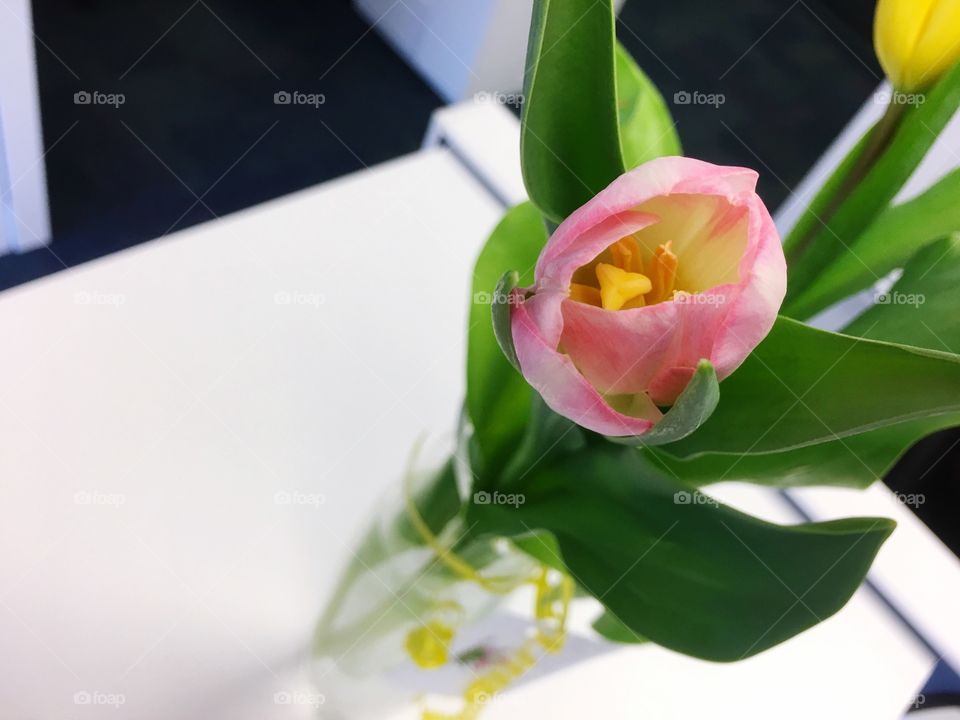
(619, 287)
(663, 273)
(626, 254)
(585, 294)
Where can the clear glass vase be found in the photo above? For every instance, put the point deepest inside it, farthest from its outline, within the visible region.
(404, 624)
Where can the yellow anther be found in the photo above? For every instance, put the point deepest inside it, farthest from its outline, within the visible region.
(626, 254)
(585, 294)
(429, 645)
(663, 273)
(621, 289)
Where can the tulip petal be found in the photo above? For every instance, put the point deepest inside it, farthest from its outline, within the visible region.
(566, 249)
(754, 309)
(916, 40)
(561, 385)
(654, 348)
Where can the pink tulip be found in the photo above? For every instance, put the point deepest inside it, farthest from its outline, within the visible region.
(674, 262)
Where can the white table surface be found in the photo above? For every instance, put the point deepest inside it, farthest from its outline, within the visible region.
(155, 402)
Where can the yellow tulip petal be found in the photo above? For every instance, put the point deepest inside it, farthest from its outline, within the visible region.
(917, 41)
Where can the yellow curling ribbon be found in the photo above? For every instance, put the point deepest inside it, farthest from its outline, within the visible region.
(429, 645)
(498, 585)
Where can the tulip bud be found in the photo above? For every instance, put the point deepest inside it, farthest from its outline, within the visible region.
(917, 41)
(675, 262)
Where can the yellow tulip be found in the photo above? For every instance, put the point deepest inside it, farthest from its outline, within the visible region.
(917, 41)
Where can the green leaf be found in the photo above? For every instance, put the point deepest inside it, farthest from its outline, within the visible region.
(542, 546)
(547, 435)
(498, 398)
(932, 277)
(569, 143)
(610, 626)
(920, 127)
(647, 130)
(803, 386)
(676, 567)
(812, 218)
(921, 308)
(855, 461)
(894, 236)
(694, 405)
(500, 310)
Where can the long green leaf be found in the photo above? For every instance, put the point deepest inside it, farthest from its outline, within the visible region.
(547, 434)
(609, 626)
(803, 386)
(569, 142)
(894, 236)
(921, 309)
(855, 461)
(919, 129)
(812, 219)
(647, 130)
(498, 398)
(678, 568)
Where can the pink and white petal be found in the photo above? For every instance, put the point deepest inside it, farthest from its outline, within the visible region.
(729, 182)
(662, 176)
(648, 348)
(667, 386)
(620, 352)
(543, 309)
(557, 272)
(752, 313)
(708, 234)
(563, 388)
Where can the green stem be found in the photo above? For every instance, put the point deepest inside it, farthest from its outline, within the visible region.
(879, 140)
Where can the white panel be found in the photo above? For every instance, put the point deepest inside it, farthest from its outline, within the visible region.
(461, 47)
(20, 131)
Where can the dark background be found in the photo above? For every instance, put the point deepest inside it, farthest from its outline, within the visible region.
(199, 118)
(199, 78)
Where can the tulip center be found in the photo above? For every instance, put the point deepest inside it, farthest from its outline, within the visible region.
(620, 280)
